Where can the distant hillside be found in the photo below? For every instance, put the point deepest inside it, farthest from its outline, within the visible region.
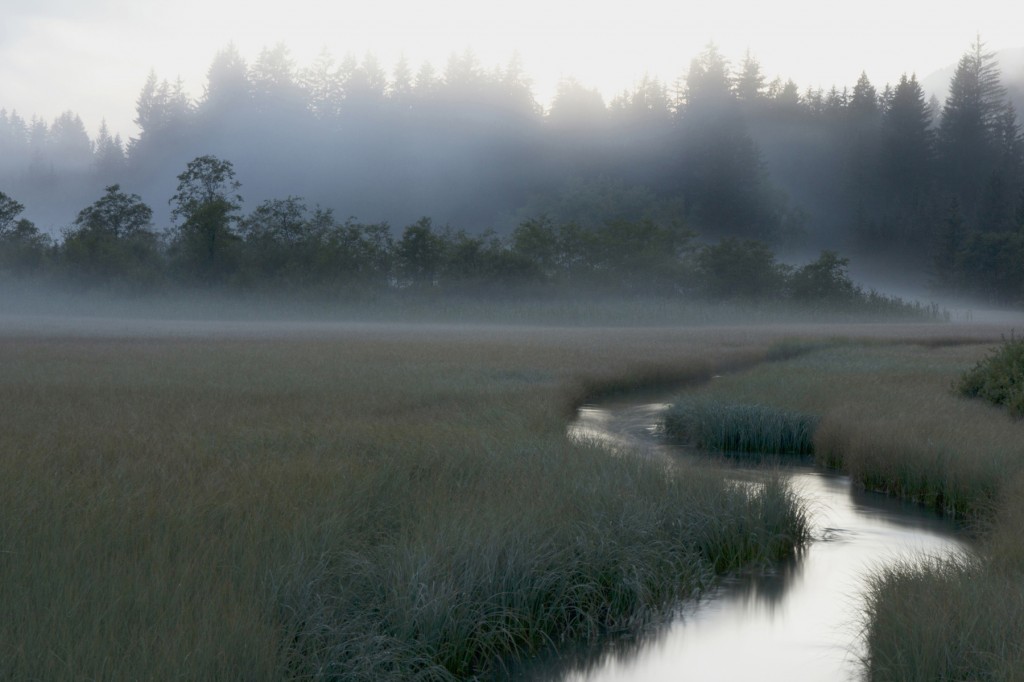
(1011, 64)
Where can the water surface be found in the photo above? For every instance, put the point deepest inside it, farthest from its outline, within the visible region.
(799, 622)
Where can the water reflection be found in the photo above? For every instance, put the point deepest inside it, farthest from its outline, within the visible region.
(800, 621)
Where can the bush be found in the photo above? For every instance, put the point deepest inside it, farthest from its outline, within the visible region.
(999, 378)
(744, 269)
(823, 281)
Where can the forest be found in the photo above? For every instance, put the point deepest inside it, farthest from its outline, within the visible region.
(676, 189)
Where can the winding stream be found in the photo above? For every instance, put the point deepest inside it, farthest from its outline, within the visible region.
(798, 623)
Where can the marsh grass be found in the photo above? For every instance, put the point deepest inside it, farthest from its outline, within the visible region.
(377, 504)
(890, 419)
(952, 618)
(960, 617)
(724, 427)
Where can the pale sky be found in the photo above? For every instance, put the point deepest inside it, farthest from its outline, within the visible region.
(92, 56)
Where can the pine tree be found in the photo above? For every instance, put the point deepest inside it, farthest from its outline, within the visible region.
(750, 82)
(274, 83)
(109, 157)
(968, 131)
(227, 83)
(708, 86)
(322, 86)
(863, 104)
(907, 140)
(400, 89)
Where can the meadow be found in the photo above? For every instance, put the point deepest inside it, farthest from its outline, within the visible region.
(376, 501)
(369, 502)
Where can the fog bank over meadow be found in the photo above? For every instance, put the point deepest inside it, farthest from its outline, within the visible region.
(348, 170)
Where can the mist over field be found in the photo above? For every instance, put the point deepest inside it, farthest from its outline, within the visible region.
(919, 183)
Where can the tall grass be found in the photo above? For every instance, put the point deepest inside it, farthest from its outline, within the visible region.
(374, 502)
(944, 619)
(377, 504)
(887, 417)
(477, 589)
(723, 427)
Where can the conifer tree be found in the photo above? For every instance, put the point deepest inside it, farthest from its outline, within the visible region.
(968, 131)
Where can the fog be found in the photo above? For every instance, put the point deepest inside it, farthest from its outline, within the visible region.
(871, 170)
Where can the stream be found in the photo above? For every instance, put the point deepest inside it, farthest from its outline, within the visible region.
(799, 622)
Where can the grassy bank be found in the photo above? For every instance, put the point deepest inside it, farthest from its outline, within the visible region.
(889, 415)
(358, 503)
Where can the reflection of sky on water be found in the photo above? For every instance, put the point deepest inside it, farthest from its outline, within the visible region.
(800, 622)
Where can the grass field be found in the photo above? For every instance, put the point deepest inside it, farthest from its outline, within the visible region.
(383, 501)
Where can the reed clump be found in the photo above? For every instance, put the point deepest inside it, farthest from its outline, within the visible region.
(719, 426)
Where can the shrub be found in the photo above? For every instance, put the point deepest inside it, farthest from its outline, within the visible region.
(999, 378)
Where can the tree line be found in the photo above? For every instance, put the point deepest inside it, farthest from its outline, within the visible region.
(936, 186)
(284, 245)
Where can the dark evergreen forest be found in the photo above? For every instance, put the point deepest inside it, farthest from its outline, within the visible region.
(320, 177)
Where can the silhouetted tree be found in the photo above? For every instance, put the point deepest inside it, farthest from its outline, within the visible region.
(109, 158)
(745, 269)
(112, 239)
(228, 89)
(420, 254)
(321, 84)
(400, 88)
(907, 163)
(967, 133)
(275, 89)
(356, 255)
(207, 204)
(721, 177)
(750, 83)
(22, 247)
(575, 106)
(825, 281)
(708, 90)
(908, 139)
(784, 97)
(282, 243)
(69, 142)
(864, 103)
(9, 211)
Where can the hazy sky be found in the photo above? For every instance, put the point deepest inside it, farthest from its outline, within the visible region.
(92, 56)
